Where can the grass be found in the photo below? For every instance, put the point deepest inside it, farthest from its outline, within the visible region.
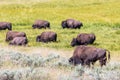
(98, 16)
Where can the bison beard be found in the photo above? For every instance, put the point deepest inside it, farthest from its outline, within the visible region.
(86, 55)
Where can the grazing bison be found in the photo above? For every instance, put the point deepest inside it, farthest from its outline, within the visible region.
(83, 39)
(19, 41)
(5, 25)
(85, 55)
(12, 34)
(47, 37)
(41, 24)
(71, 23)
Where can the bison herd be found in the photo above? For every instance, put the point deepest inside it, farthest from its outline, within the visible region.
(83, 54)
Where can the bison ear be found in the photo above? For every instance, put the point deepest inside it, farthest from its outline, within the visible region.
(64, 24)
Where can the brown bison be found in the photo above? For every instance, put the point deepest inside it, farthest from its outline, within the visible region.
(47, 37)
(19, 41)
(71, 23)
(5, 25)
(12, 34)
(83, 39)
(85, 55)
(41, 24)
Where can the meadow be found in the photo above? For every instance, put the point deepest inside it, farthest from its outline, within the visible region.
(98, 16)
(40, 61)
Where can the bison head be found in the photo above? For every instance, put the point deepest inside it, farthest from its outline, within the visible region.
(9, 26)
(38, 39)
(74, 42)
(34, 26)
(93, 38)
(26, 41)
(81, 24)
(48, 25)
(71, 61)
(75, 61)
(64, 24)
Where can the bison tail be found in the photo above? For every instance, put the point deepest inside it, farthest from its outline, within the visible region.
(108, 55)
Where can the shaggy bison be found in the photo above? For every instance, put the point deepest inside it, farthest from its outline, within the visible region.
(12, 34)
(83, 39)
(85, 55)
(47, 37)
(41, 24)
(5, 25)
(19, 41)
(71, 23)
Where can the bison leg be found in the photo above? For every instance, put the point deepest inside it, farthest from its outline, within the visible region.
(87, 62)
(103, 61)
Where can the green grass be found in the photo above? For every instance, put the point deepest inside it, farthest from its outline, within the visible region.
(101, 17)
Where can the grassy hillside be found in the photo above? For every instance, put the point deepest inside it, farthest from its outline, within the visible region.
(101, 17)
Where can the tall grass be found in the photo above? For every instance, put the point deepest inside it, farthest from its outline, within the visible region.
(98, 16)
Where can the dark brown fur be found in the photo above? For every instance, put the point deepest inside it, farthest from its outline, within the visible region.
(19, 41)
(86, 55)
(12, 34)
(71, 23)
(47, 37)
(41, 24)
(5, 25)
(83, 39)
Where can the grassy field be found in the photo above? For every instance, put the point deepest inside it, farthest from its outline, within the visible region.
(40, 61)
(98, 16)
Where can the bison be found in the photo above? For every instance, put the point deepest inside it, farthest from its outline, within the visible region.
(87, 55)
(19, 41)
(83, 39)
(47, 37)
(71, 23)
(12, 34)
(5, 25)
(41, 24)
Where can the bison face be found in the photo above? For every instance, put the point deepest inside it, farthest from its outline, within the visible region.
(75, 61)
(71, 61)
(48, 25)
(64, 24)
(81, 24)
(34, 26)
(38, 39)
(9, 26)
(74, 42)
(26, 41)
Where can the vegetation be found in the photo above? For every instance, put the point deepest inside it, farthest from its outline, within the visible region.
(19, 66)
(98, 16)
